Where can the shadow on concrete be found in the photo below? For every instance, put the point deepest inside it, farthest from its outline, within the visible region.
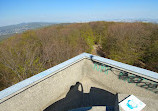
(77, 99)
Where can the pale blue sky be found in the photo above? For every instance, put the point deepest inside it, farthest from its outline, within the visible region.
(18, 11)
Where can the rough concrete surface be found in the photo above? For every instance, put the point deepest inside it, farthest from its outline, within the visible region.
(95, 89)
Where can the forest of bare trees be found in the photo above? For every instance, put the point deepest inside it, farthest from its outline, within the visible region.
(33, 51)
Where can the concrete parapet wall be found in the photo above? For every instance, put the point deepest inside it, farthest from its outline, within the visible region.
(44, 92)
(41, 90)
(110, 81)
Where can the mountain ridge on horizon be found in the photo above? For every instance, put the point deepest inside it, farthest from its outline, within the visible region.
(150, 20)
(7, 31)
(18, 28)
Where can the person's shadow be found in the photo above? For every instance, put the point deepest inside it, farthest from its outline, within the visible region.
(77, 99)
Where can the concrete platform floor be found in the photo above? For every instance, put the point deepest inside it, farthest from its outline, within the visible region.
(76, 98)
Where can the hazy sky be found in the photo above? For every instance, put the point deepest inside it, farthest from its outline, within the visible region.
(18, 11)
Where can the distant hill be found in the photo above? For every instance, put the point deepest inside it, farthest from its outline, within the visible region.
(11, 29)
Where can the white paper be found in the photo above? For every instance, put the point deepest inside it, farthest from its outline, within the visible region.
(132, 103)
